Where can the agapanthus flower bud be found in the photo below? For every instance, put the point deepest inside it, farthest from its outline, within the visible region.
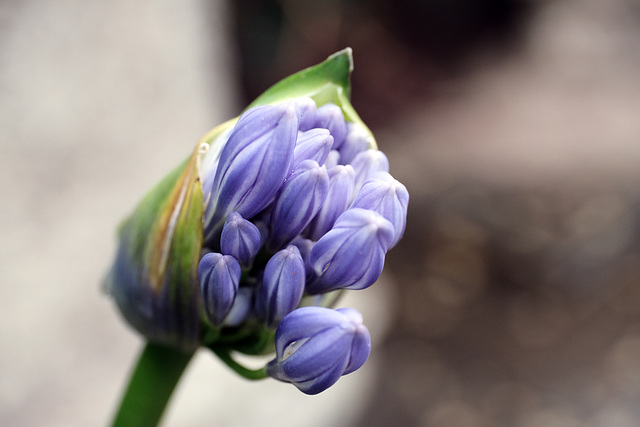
(330, 116)
(219, 276)
(313, 144)
(387, 196)
(366, 163)
(315, 346)
(282, 286)
(240, 239)
(200, 261)
(351, 255)
(304, 246)
(253, 164)
(241, 307)
(306, 110)
(299, 200)
(356, 141)
(333, 159)
(341, 180)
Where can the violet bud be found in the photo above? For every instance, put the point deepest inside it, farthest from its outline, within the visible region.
(299, 200)
(313, 144)
(356, 141)
(219, 276)
(387, 196)
(340, 194)
(306, 110)
(240, 309)
(240, 239)
(304, 246)
(315, 346)
(282, 286)
(351, 255)
(333, 159)
(366, 163)
(253, 164)
(330, 116)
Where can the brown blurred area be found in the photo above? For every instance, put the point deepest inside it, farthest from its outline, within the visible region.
(516, 127)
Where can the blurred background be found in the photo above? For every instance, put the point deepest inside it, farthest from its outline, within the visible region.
(514, 298)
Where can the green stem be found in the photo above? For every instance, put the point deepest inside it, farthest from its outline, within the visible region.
(249, 374)
(150, 387)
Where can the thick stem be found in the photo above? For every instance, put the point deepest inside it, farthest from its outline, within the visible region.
(150, 387)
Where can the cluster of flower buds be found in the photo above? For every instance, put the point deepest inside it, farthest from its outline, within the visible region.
(296, 205)
(246, 245)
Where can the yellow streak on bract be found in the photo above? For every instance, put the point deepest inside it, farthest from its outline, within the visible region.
(165, 226)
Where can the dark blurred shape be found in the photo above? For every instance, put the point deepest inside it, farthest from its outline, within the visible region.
(447, 30)
(402, 48)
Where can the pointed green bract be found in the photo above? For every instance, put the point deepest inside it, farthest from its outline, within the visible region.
(329, 81)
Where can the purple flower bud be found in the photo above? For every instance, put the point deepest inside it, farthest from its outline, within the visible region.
(240, 239)
(219, 276)
(367, 163)
(356, 141)
(306, 109)
(387, 196)
(304, 246)
(315, 346)
(253, 164)
(351, 254)
(211, 158)
(282, 286)
(299, 200)
(330, 116)
(333, 159)
(341, 180)
(240, 309)
(263, 227)
(313, 144)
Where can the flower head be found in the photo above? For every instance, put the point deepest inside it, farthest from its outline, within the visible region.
(273, 210)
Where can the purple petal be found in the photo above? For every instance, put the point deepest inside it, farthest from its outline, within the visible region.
(341, 180)
(253, 164)
(306, 110)
(240, 309)
(387, 196)
(330, 116)
(240, 239)
(351, 255)
(282, 286)
(303, 323)
(333, 159)
(313, 144)
(315, 346)
(367, 163)
(298, 202)
(218, 276)
(356, 141)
